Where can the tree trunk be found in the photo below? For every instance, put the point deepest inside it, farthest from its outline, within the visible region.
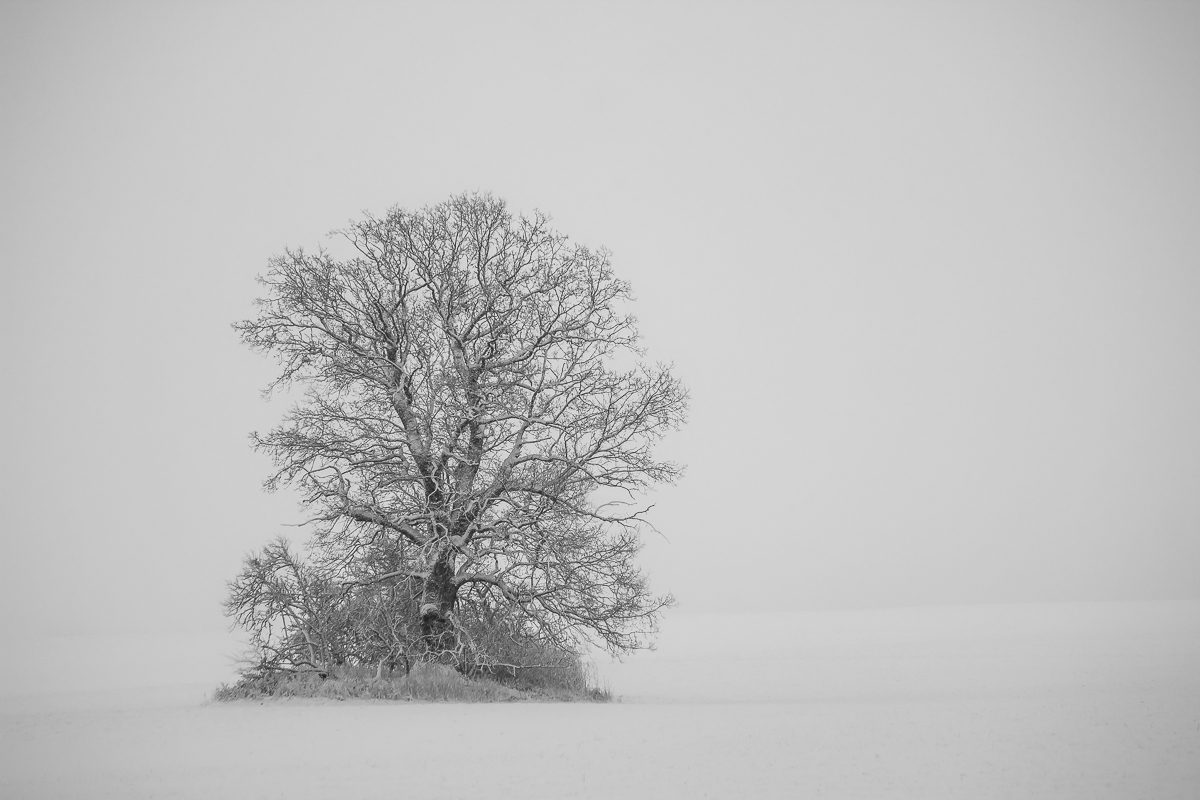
(437, 601)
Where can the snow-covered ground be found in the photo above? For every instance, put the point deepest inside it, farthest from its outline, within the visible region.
(1070, 700)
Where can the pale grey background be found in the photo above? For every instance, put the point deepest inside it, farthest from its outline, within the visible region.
(931, 271)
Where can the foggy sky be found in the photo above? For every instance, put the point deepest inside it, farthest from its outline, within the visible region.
(931, 273)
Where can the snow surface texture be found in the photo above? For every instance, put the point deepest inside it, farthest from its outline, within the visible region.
(1064, 700)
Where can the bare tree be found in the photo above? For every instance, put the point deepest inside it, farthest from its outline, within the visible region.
(466, 433)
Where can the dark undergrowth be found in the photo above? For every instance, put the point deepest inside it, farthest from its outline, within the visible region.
(426, 682)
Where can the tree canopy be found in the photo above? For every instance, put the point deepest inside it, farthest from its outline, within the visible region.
(474, 442)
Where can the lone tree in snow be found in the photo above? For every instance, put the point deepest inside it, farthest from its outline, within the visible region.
(471, 451)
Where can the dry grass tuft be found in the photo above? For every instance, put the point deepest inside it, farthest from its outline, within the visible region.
(425, 683)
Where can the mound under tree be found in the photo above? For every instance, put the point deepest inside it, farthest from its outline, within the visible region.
(475, 435)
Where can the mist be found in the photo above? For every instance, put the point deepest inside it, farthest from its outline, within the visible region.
(930, 275)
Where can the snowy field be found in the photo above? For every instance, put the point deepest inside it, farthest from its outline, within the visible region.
(1065, 701)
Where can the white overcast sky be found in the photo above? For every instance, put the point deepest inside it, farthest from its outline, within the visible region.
(931, 272)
